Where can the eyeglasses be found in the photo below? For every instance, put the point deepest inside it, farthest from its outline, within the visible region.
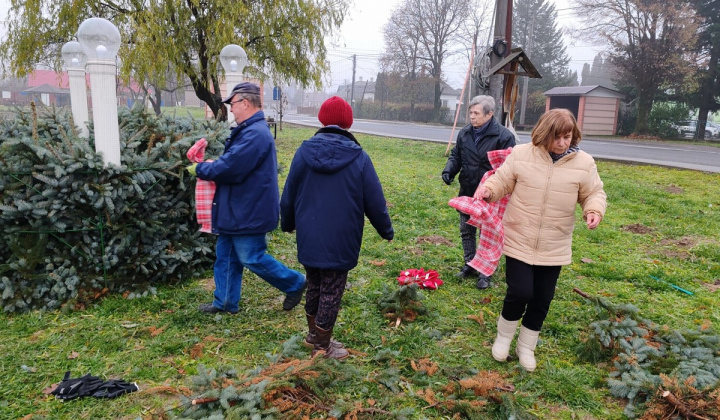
(234, 102)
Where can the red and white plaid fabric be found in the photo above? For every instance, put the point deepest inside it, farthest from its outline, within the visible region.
(487, 217)
(204, 190)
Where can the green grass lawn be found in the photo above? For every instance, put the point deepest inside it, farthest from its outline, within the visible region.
(660, 222)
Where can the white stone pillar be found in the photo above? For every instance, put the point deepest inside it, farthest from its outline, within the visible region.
(100, 41)
(104, 109)
(75, 60)
(78, 100)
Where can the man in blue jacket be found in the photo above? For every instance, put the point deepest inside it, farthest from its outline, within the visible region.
(246, 206)
(469, 158)
(332, 185)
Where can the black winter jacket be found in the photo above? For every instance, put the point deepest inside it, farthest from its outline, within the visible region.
(472, 162)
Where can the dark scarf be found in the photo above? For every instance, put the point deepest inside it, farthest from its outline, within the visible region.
(571, 149)
(479, 132)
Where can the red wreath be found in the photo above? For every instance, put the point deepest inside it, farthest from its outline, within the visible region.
(425, 279)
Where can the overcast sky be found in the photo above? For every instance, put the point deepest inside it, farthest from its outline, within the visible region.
(361, 34)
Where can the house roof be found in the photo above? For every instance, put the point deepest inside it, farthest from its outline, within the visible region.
(46, 88)
(593, 90)
(449, 91)
(48, 77)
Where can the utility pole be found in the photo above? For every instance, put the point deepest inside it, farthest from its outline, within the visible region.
(501, 45)
(352, 92)
(523, 100)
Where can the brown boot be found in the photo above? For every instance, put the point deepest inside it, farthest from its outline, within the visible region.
(310, 337)
(322, 344)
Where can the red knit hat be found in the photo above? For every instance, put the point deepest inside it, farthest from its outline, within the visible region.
(336, 111)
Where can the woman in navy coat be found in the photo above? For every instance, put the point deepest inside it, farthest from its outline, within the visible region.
(332, 185)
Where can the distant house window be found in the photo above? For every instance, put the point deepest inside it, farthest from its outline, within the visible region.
(6, 94)
(445, 103)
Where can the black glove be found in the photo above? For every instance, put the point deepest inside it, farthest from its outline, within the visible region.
(447, 178)
(69, 388)
(114, 388)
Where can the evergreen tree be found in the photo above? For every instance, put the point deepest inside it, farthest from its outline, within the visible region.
(585, 75)
(73, 229)
(535, 31)
(601, 73)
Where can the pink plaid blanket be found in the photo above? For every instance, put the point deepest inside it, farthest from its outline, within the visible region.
(204, 190)
(487, 217)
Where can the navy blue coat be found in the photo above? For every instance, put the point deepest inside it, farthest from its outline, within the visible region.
(332, 185)
(247, 195)
(472, 161)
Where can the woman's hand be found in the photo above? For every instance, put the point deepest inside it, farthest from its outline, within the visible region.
(592, 220)
(481, 193)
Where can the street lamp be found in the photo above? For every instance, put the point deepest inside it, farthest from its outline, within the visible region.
(75, 59)
(233, 59)
(100, 41)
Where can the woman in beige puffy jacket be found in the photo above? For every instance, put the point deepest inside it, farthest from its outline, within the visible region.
(546, 179)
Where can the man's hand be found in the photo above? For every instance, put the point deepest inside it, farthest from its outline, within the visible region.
(447, 178)
(191, 169)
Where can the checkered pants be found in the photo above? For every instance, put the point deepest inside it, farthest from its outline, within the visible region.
(468, 236)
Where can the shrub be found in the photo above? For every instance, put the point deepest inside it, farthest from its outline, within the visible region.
(73, 228)
(663, 115)
(400, 112)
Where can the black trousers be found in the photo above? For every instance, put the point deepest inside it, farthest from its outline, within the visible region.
(468, 237)
(325, 289)
(530, 289)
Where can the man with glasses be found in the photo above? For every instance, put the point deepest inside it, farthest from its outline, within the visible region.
(246, 206)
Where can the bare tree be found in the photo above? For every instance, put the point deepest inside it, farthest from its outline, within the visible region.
(402, 48)
(477, 24)
(650, 43)
(425, 31)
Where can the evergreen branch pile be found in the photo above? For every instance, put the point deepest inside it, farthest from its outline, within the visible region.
(649, 359)
(72, 227)
(286, 388)
(403, 304)
(302, 387)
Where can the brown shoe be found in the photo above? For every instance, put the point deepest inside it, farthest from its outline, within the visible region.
(322, 344)
(310, 337)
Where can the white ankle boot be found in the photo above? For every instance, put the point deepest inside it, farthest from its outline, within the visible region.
(505, 333)
(525, 348)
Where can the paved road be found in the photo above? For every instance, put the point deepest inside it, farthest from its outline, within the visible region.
(695, 157)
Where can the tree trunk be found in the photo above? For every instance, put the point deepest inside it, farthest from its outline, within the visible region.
(646, 97)
(707, 93)
(437, 102)
(157, 103)
(213, 100)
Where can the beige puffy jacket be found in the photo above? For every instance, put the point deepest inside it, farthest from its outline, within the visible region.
(540, 215)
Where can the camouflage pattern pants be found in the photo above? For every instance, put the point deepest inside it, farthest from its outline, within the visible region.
(325, 289)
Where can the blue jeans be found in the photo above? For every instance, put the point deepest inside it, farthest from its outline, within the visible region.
(235, 252)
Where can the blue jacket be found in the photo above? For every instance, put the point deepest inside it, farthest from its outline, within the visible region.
(332, 185)
(246, 194)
